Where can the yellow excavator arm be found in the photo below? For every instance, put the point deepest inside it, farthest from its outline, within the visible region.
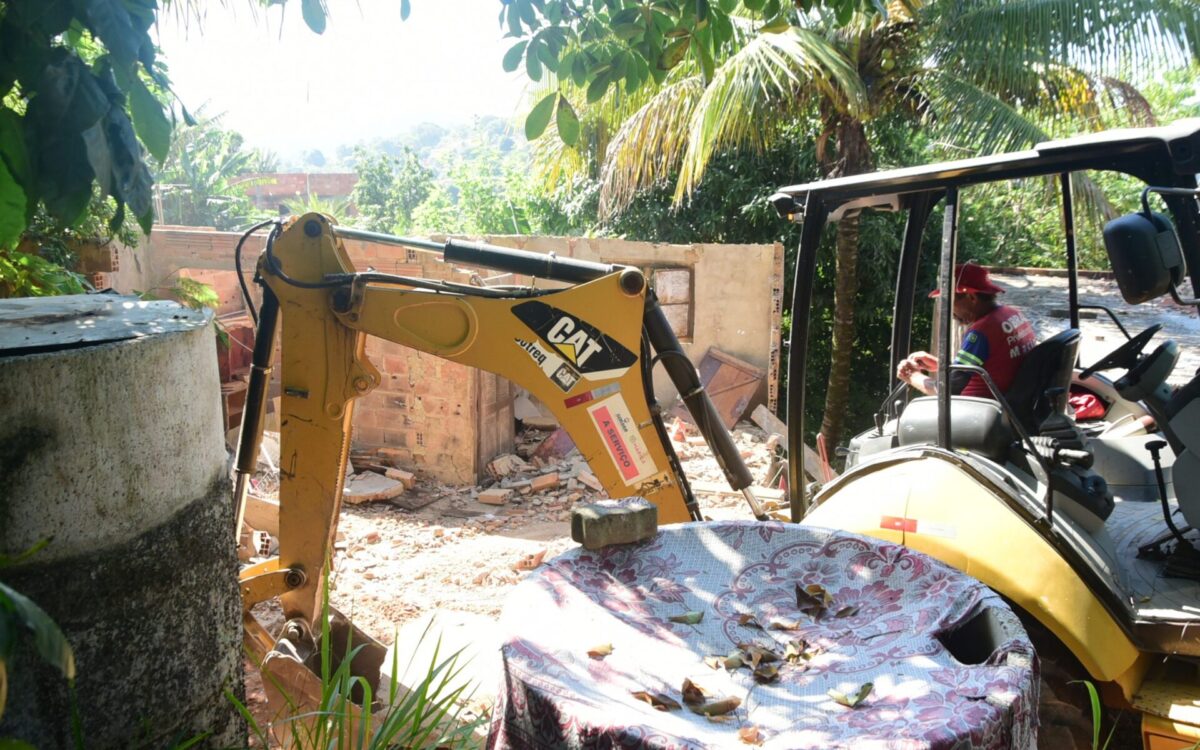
(581, 350)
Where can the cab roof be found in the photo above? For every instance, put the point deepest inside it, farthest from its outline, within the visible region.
(1177, 144)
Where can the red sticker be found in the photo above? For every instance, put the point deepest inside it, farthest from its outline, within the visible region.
(897, 523)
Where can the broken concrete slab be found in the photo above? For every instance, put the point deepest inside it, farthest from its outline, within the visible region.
(505, 464)
(414, 502)
(369, 487)
(589, 480)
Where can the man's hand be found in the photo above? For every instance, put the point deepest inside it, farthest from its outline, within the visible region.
(912, 371)
(924, 361)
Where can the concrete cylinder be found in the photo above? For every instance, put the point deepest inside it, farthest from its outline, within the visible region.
(111, 446)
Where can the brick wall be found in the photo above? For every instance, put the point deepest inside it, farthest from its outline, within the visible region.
(269, 190)
(447, 420)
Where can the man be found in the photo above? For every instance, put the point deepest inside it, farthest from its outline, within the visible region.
(998, 338)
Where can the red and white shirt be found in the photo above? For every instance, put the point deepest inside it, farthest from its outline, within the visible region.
(997, 342)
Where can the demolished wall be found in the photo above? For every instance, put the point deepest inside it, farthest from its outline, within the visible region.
(448, 420)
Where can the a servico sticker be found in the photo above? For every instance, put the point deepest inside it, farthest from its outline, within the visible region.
(559, 372)
(589, 351)
(621, 437)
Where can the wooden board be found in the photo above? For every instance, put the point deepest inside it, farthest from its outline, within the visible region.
(730, 383)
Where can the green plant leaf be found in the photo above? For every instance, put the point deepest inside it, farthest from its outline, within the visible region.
(149, 120)
(776, 25)
(6, 744)
(674, 53)
(753, 5)
(1097, 713)
(8, 560)
(12, 208)
(533, 67)
(49, 641)
(568, 122)
(314, 14)
(539, 117)
(405, 9)
(512, 58)
(111, 22)
(12, 147)
(687, 618)
(597, 87)
(852, 701)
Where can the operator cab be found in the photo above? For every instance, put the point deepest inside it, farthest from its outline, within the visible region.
(1115, 489)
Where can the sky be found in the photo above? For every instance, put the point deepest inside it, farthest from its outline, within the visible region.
(287, 89)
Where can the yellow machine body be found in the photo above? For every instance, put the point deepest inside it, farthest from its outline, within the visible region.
(927, 500)
(527, 340)
(928, 503)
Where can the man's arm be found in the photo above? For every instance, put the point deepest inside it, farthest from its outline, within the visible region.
(917, 370)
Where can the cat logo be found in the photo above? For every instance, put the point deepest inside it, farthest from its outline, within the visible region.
(593, 354)
(575, 344)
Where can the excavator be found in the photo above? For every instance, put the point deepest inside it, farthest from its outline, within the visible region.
(585, 351)
(1012, 490)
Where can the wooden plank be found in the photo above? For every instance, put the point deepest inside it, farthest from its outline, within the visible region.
(730, 383)
(262, 514)
(720, 488)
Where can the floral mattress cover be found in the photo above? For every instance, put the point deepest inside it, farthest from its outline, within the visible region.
(737, 634)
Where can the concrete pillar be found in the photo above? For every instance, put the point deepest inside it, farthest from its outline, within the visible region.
(111, 446)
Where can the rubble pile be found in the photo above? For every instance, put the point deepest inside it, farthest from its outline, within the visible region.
(431, 546)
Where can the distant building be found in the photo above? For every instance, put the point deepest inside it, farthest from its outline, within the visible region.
(268, 191)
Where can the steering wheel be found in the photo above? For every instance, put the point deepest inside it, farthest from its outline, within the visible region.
(1124, 355)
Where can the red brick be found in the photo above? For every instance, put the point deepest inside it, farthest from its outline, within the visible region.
(496, 496)
(545, 482)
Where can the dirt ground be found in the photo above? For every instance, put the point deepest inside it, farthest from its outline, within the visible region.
(392, 566)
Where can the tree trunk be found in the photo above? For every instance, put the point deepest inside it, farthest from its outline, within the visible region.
(853, 157)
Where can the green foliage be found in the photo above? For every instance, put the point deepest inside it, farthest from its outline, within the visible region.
(20, 617)
(82, 93)
(600, 45)
(28, 275)
(389, 189)
(203, 180)
(314, 203)
(427, 714)
(486, 192)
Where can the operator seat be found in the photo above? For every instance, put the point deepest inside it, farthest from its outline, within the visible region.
(980, 424)
(1048, 365)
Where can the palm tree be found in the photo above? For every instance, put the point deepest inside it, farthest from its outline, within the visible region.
(987, 75)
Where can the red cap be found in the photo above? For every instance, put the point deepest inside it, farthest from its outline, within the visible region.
(972, 278)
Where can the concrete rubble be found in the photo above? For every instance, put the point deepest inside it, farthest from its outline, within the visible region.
(443, 551)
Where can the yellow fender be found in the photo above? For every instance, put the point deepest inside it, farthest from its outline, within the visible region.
(927, 500)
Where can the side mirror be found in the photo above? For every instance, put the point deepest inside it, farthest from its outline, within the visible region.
(1145, 255)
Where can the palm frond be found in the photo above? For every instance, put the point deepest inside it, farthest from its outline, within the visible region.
(969, 117)
(648, 146)
(772, 75)
(990, 40)
(975, 121)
